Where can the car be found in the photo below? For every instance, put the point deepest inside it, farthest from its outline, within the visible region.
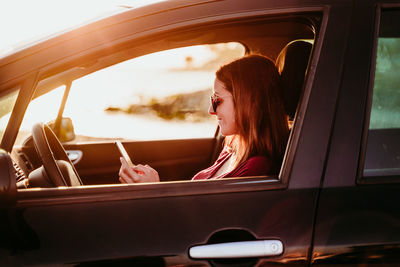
(335, 200)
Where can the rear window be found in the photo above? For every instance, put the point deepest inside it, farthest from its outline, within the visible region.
(383, 145)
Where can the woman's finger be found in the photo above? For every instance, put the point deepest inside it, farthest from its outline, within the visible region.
(140, 169)
(148, 175)
(127, 173)
(126, 177)
(123, 181)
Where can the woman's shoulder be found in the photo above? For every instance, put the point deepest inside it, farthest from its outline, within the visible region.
(259, 162)
(254, 166)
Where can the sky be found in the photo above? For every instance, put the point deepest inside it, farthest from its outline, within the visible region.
(25, 21)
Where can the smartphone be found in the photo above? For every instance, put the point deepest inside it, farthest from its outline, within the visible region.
(124, 153)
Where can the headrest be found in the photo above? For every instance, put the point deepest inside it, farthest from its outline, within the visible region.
(292, 64)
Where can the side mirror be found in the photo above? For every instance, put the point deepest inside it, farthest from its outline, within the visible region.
(8, 180)
(64, 130)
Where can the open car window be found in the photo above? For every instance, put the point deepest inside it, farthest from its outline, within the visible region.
(163, 95)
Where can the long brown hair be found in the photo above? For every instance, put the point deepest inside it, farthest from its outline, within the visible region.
(260, 116)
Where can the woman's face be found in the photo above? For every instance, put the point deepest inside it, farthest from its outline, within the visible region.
(225, 110)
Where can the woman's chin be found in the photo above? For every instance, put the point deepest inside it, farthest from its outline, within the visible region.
(226, 133)
(223, 132)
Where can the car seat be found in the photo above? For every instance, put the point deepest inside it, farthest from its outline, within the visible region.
(292, 64)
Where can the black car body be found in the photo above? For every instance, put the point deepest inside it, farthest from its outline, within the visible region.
(334, 201)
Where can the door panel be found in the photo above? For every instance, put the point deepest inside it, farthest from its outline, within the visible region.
(163, 229)
(358, 226)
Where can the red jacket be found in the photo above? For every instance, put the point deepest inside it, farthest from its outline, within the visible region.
(254, 166)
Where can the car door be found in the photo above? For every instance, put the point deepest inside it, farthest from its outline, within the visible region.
(164, 224)
(358, 218)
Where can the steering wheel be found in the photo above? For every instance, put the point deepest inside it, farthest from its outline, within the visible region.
(54, 157)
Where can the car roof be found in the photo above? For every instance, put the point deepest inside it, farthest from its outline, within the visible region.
(93, 24)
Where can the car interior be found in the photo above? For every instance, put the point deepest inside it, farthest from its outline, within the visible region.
(288, 39)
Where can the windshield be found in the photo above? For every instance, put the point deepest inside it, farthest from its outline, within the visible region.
(30, 21)
(7, 102)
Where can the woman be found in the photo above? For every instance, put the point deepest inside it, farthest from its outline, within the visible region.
(249, 108)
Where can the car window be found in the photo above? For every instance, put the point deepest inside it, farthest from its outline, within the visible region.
(163, 95)
(383, 146)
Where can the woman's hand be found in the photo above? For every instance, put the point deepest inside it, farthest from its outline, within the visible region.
(138, 174)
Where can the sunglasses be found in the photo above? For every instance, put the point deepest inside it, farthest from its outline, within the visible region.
(215, 101)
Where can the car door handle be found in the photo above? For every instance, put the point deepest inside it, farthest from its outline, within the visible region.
(242, 249)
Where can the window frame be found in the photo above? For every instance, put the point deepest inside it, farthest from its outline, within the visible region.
(8, 93)
(230, 185)
(17, 114)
